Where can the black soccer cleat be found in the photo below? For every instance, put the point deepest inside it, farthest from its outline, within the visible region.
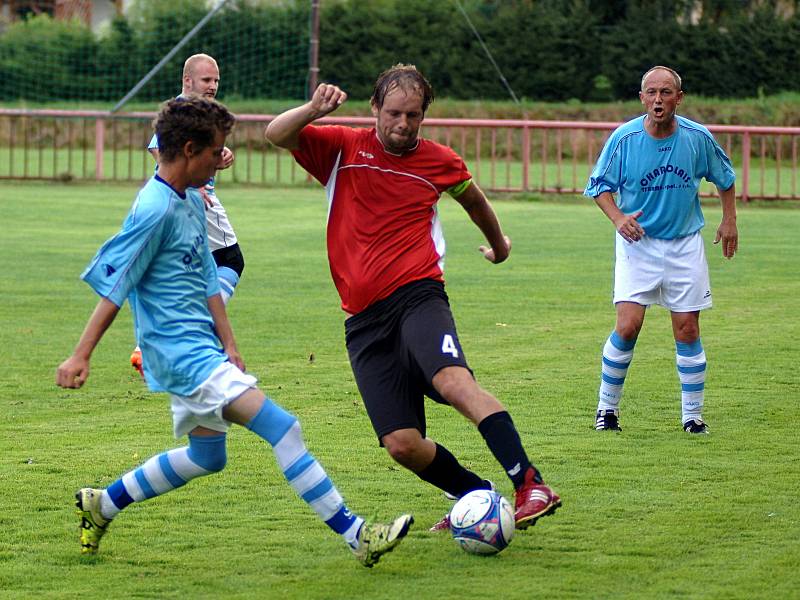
(696, 426)
(607, 420)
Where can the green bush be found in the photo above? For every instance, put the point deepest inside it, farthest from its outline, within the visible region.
(548, 50)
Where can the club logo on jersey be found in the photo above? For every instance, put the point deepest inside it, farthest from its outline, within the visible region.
(191, 260)
(366, 155)
(649, 183)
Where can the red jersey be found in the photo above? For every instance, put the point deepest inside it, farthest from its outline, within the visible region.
(383, 224)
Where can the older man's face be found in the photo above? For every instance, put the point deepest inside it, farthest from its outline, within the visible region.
(660, 96)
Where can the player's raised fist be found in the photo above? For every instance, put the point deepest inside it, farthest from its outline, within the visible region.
(327, 98)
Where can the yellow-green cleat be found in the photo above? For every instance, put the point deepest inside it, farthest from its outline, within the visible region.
(376, 539)
(93, 525)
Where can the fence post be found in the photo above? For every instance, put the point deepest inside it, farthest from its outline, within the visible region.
(526, 151)
(746, 167)
(99, 147)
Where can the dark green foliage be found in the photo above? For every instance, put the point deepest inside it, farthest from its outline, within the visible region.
(548, 50)
(262, 51)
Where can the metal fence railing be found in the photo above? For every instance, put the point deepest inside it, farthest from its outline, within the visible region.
(503, 155)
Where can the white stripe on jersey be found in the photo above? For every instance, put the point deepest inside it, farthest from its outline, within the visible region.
(330, 188)
(401, 173)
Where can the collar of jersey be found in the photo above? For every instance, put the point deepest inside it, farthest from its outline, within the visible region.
(410, 150)
(158, 178)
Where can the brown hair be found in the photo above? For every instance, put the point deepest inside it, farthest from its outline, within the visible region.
(194, 119)
(405, 77)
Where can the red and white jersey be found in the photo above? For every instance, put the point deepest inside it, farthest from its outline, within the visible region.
(383, 224)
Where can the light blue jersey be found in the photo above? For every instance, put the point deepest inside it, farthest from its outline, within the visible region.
(160, 262)
(661, 177)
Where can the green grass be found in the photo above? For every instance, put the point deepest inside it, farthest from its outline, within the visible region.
(649, 513)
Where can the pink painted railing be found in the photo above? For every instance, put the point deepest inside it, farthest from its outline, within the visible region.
(503, 155)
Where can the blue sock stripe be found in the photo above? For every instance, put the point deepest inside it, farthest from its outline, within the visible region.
(228, 275)
(694, 369)
(226, 287)
(616, 365)
(341, 521)
(208, 452)
(612, 380)
(693, 387)
(319, 490)
(147, 489)
(693, 349)
(119, 495)
(621, 344)
(299, 467)
(271, 422)
(174, 479)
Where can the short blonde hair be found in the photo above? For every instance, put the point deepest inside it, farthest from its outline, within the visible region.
(660, 67)
(188, 66)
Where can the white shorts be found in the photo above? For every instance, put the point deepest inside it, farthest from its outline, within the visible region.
(203, 407)
(220, 230)
(672, 273)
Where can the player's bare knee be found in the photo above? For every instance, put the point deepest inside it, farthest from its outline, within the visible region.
(628, 329)
(403, 447)
(454, 383)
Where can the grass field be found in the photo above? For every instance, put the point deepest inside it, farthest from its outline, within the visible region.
(649, 513)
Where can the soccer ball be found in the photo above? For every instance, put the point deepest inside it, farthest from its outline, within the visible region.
(482, 522)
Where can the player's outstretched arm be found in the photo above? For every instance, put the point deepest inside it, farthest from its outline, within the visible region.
(224, 330)
(626, 225)
(727, 232)
(284, 130)
(73, 372)
(482, 214)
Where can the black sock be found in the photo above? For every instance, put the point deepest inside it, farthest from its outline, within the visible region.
(503, 440)
(446, 473)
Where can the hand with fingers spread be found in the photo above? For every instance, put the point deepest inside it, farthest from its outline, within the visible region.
(208, 199)
(628, 227)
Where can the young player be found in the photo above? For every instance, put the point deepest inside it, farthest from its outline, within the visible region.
(201, 77)
(386, 253)
(161, 263)
(656, 162)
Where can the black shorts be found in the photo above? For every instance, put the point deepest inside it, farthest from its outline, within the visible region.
(396, 346)
(230, 257)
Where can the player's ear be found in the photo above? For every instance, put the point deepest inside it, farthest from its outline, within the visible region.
(641, 97)
(679, 97)
(375, 109)
(189, 149)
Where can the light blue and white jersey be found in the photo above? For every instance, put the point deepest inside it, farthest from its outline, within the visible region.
(160, 262)
(661, 177)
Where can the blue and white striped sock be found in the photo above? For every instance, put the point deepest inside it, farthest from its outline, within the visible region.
(691, 361)
(617, 356)
(165, 472)
(282, 431)
(228, 280)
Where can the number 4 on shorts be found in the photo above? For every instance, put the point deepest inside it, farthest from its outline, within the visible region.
(449, 345)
